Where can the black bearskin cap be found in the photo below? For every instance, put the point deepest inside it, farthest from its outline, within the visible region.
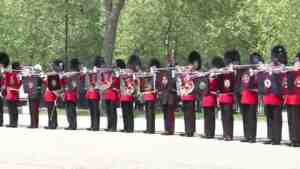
(99, 61)
(232, 57)
(58, 65)
(75, 64)
(298, 56)
(279, 52)
(120, 63)
(195, 57)
(255, 58)
(134, 60)
(217, 62)
(4, 59)
(154, 62)
(15, 66)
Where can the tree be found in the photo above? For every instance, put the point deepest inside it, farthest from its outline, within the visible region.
(112, 14)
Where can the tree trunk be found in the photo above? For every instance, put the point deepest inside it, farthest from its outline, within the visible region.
(113, 11)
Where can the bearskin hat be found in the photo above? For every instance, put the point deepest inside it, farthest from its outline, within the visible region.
(255, 58)
(58, 65)
(4, 59)
(16, 66)
(120, 63)
(195, 57)
(154, 62)
(99, 61)
(217, 62)
(232, 57)
(279, 53)
(298, 56)
(134, 60)
(75, 64)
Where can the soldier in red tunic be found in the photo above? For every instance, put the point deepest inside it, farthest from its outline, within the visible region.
(128, 89)
(188, 95)
(32, 84)
(112, 100)
(4, 62)
(51, 96)
(93, 94)
(71, 93)
(13, 83)
(292, 102)
(249, 99)
(272, 94)
(209, 99)
(149, 97)
(226, 97)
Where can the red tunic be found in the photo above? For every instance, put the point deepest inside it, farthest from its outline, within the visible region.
(226, 82)
(293, 96)
(151, 97)
(210, 97)
(12, 84)
(112, 94)
(50, 96)
(249, 94)
(92, 94)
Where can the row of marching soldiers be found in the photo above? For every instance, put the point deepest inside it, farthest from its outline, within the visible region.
(226, 84)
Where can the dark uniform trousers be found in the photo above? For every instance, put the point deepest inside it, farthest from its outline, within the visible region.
(34, 104)
(128, 116)
(249, 115)
(294, 123)
(274, 122)
(95, 114)
(150, 116)
(71, 115)
(209, 121)
(1, 111)
(111, 112)
(52, 115)
(188, 108)
(227, 120)
(169, 117)
(13, 113)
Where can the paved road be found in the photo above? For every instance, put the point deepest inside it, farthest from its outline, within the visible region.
(59, 149)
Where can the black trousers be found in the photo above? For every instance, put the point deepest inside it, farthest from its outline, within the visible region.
(128, 116)
(34, 105)
(188, 108)
(52, 115)
(111, 112)
(274, 122)
(294, 123)
(150, 116)
(169, 117)
(249, 115)
(71, 115)
(209, 121)
(13, 113)
(1, 111)
(227, 120)
(94, 114)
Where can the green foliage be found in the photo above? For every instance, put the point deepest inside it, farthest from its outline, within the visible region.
(34, 31)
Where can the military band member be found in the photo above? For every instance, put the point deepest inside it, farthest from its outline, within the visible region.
(93, 94)
(226, 96)
(249, 99)
(272, 97)
(71, 84)
(127, 91)
(4, 62)
(34, 87)
(150, 97)
(112, 99)
(209, 100)
(292, 102)
(169, 99)
(188, 95)
(53, 83)
(13, 83)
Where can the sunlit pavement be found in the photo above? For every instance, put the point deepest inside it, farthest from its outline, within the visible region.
(24, 148)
